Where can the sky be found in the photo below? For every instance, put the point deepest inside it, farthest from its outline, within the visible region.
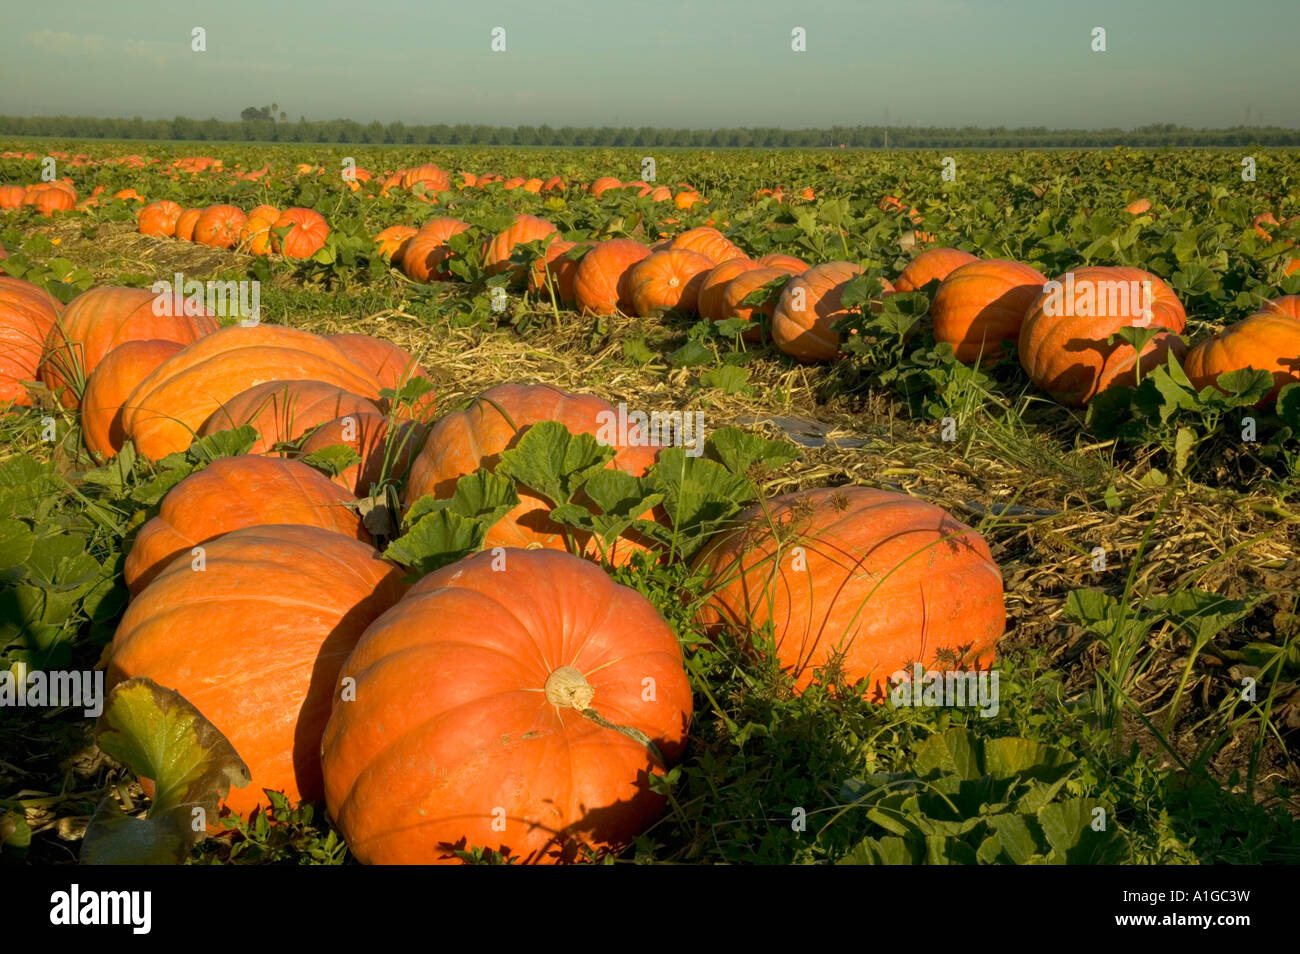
(678, 63)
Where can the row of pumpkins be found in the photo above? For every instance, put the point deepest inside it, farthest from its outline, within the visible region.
(518, 699)
(977, 306)
(296, 232)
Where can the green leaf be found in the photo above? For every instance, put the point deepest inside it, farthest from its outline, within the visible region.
(952, 752)
(1200, 614)
(159, 735)
(332, 460)
(440, 538)
(550, 461)
(739, 450)
(231, 443)
(691, 353)
(16, 544)
(727, 378)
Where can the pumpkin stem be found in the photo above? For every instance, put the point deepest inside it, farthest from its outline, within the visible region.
(567, 688)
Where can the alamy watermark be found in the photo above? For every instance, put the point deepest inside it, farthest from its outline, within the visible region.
(955, 688)
(624, 428)
(1094, 298)
(242, 300)
(76, 689)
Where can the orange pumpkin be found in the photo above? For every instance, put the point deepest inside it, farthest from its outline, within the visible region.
(186, 223)
(392, 365)
(426, 180)
(100, 319)
(524, 229)
(110, 387)
(1138, 206)
(299, 233)
(1286, 305)
(1265, 342)
(389, 242)
(668, 280)
(28, 313)
(981, 304)
(232, 493)
(710, 243)
(802, 323)
(933, 263)
(256, 642)
(170, 405)
(283, 411)
(218, 226)
(793, 265)
(1062, 341)
(740, 287)
(604, 184)
(424, 255)
(600, 285)
(715, 283)
(469, 714)
(11, 196)
(464, 441)
(856, 579)
(368, 435)
(159, 218)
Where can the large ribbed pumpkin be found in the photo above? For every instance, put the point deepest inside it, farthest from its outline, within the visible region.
(802, 324)
(560, 267)
(424, 255)
(1265, 342)
(98, 320)
(426, 179)
(392, 365)
(367, 435)
(1065, 352)
(668, 281)
(981, 304)
(715, 284)
(872, 579)
(524, 229)
(464, 441)
(931, 264)
(299, 233)
(283, 411)
(235, 492)
(467, 727)
(390, 241)
(186, 223)
(740, 287)
(600, 284)
(256, 640)
(171, 404)
(792, 264)
(1288, 305)
(158, 218)
(218, 226)
(27, 315)
(710, 243)
(107, 391)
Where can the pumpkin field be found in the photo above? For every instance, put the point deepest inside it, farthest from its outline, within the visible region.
(414, 505)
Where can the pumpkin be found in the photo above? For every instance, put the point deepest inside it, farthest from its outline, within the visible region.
(426, 179)
(661, 194)
(27, 315)
(158, 218)
(1062, 340)
(299, 233)
(49, 201)
(710, 243)
(389, 242)
(256, 641)
(553, 184)
(486, 695)
(863, 580)
(556, 268)
(168, 407)
(100, 319)
(232, 493)
(933, 263)
(186, 222)
(808, 308)
(111, 385)
(1138, 206)
(714, 285)
(464, 441)
(686, 199)
(524, 229)
(1259, 222)
(1286, 305)
(282, 411)
(218, 226)
(604, 184)
(368, 435)
(11, 196)
(981, 304)
(668, 280)
(600, 284)
(393, 366)
(425, 254)
(255, 234)
(740, 287)
(1266, 342)
(793, 265)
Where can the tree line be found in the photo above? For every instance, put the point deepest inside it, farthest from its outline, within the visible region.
(263, 128)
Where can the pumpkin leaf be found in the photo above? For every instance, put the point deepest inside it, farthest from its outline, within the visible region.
(440, 538)
(699, 495)
(161, 736)
(550, 461)
(1200, 614)
(231, 443)
(739, 450)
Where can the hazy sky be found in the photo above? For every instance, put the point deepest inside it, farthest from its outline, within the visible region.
(689, 63)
